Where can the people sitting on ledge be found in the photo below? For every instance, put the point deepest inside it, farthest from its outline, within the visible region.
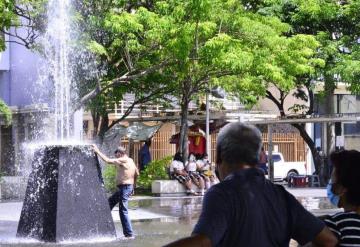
(205, 169)
(177, 171)
(191, 168)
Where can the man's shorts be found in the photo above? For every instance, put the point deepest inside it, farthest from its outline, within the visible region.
(181, 178)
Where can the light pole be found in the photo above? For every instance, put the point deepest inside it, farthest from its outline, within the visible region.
(217, 92)
(208, 142)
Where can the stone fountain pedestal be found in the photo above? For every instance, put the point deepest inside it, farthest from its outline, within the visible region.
(65, 198)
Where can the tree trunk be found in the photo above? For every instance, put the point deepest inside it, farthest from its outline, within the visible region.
(96, 120)
(318, 162)
(183, 141)
(311, 145)
(104, 126)
(330, 109)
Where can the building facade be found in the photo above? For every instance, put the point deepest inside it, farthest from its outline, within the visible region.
(19, 89)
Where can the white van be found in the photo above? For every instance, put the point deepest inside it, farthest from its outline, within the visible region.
(284, 170)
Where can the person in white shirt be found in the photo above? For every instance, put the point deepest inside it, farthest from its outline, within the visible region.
(191, 168)
(177, 171)
(204, 168)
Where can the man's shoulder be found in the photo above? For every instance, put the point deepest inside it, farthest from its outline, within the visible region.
(126, 160)
(222, 187)
(130, 160)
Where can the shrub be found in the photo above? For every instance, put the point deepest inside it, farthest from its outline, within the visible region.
(109, 175)
(155, 170)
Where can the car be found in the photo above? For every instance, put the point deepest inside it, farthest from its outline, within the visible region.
(283, 170)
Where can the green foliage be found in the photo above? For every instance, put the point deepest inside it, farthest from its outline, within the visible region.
(182, 48)
(155, 170)
(109, 175)
(22, 13)
(7, 15)
(5, 112)
(96, 48)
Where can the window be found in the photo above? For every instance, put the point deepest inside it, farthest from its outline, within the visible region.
(276, 157)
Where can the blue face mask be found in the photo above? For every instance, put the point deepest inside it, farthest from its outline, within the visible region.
(334, 199)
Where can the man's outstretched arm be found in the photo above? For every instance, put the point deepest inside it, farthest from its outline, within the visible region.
(103, 156)
(197, 240)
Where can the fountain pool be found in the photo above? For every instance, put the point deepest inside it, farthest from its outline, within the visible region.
(156, 221)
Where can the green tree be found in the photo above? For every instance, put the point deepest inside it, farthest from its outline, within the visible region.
(28, 15)
(220, 42)
(334, 24)
(126, 61)
(127, 40)
(189, 45)
(286, 61)
(18, 14)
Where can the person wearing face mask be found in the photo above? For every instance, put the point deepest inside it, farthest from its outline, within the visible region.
(204, 168)
(191, 168)
(344, 192)
(246, 209)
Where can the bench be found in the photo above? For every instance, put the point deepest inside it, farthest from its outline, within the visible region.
(170, 188)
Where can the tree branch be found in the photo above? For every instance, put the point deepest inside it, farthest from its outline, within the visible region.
(311, 97)
(25, 42)
(136, 102)
(271, 97)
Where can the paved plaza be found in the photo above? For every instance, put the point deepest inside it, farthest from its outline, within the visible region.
(156, 220)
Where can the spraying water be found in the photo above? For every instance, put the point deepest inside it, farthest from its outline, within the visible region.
(58, 50)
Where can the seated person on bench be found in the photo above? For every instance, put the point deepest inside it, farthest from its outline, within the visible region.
(177, 171)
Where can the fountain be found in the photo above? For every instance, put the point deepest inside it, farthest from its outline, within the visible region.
(65, 199)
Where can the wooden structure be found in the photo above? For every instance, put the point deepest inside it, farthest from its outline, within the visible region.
(291, 145)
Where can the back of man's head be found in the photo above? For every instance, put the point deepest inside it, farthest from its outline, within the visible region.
(120, 150)
(238, 143)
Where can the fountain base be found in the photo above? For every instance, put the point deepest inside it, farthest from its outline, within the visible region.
(65, 198)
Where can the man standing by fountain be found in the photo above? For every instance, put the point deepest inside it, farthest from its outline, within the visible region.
(125, 181)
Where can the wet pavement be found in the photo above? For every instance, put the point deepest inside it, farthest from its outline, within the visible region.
(156, 221)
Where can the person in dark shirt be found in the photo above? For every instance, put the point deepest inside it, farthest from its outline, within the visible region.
(245, 209)
(144, 155)
(344, 192)
(263, 160)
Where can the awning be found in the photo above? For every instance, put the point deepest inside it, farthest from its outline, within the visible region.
(136, 131)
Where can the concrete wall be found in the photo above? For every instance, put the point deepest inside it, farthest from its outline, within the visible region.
(24, 68)
(5, 86)
(19, 76)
